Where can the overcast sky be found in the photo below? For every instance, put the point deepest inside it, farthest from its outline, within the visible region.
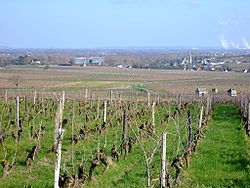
(124, 23)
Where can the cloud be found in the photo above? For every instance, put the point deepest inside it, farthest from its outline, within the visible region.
(230, 44)
(228, 22)
(224, 43)
(245, 43)
(234, 44)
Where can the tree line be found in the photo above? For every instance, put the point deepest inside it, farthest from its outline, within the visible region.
(43, 59)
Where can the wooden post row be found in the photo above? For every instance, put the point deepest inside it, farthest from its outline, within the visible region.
(163, 160)
(17, 111)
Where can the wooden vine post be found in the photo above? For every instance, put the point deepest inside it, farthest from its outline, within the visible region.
(86, 95)
(148, 99)
(59, 132)
(245, 110)
(207, 108)
(17, 111)
(248, 121)
(248, 116)
(34, 99)
(105, 112)
(98, 109)
(58, 119)
(42, 95)
(190, 138)
(72, 135)
(58, 156)
(124, 133)
(209, 105)
(201, 117)
(153, 117)
(6, 96)
(163, 160)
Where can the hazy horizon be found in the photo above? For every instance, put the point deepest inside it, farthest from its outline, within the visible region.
(125, 23)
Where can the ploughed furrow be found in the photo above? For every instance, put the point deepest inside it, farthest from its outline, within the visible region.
(221, 159)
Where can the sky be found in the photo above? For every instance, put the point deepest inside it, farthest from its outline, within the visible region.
(124, 23)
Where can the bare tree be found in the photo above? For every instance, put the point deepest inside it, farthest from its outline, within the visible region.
(5, 61)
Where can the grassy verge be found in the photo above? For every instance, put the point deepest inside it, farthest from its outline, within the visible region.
(221, 159)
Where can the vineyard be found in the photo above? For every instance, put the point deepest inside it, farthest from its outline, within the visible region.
(145, 142)
(125, 94)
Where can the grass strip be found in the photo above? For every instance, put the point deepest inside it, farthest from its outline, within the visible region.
(221, 159)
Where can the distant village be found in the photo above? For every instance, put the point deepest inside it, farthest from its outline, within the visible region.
(206, 64)
(187, 63)
(192, 60)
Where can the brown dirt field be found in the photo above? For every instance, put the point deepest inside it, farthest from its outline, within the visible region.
(77, 78)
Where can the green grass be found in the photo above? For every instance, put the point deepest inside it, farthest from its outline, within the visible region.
(127, 172)
(131, 172)
(221, 159)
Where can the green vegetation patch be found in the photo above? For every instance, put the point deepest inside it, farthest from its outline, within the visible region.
(221, 159)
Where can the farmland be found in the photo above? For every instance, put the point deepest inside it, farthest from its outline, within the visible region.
(106, 78)
(124, 94)
(115, 140)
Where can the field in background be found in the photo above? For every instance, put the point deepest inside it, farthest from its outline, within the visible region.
(77, 78)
